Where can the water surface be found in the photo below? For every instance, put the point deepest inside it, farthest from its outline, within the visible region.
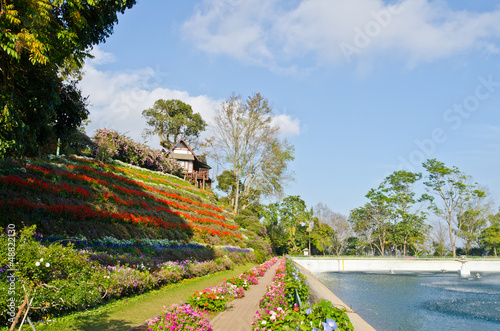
(419, 301)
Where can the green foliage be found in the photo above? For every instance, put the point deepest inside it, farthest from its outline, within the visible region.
(455, 191)
(322, 236)
(490, 238)
(172, 120)
(208, 301)
(296, 288)
(283, 220)
(324, 310)
(42, 47)
(57, 277)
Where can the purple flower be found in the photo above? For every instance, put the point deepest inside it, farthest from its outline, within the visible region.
(330, 325)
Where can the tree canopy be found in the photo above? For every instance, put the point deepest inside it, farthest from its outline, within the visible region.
(172, 120)
(43, 44)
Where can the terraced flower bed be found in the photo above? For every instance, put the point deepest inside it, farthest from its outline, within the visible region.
(65, 196)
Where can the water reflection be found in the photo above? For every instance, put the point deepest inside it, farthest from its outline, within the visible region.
(419, 301)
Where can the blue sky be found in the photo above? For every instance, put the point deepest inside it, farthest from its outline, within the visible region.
(360, 88)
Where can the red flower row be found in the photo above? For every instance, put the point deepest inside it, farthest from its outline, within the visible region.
(41, 185)
(91, 180)
(100, 164)
(169, 203)
(140, 184)
(84, 213)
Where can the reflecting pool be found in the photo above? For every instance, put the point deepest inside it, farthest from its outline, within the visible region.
(419, 301)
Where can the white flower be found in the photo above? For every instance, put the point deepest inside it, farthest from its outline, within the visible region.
(37, 264)
(264, 322)
(41, 260)
(47, 265)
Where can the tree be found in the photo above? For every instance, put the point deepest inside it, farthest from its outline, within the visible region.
(283, 219)
(42, 45)
(247, 144)
(490, 237)
(322, 236)
(226, 182)
(341, 228)
(474, 219)
(379, 213)
(439, 238)
(454, 190)
(172, 120)
(362, 226)
(409, 226)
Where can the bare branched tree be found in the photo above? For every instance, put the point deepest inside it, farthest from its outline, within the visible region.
(245, 143)
(338, 222)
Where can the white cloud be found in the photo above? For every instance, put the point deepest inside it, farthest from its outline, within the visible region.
(288, 126)
(101, 57)
(271, 33)
(117, 99)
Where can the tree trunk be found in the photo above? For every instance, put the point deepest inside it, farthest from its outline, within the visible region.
(237, 195)
(19, 313)
(450, 231)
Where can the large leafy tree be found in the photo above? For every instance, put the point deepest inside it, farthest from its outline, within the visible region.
(362, 225)
(245, 143)
(43, 44)
(323, 237)
(454, 190)
(474, 218)
(409, 228)
(490, 237)
(172, 120)
(283, 221)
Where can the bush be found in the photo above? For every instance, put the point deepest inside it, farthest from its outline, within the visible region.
(111, 144)
(57, 277)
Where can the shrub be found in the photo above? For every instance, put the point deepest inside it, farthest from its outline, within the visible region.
(111, 144)
(57, 277)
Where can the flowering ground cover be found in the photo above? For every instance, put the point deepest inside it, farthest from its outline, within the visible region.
(61, 279)
(285, 306)
(213, 299)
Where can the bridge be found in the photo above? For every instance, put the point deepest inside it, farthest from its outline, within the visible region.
(463, 266)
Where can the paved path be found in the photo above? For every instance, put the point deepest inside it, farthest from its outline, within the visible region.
(240, 315)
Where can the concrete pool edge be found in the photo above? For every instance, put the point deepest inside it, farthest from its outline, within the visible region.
(319, 290)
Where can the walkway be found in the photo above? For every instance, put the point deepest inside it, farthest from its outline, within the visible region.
(240, 315)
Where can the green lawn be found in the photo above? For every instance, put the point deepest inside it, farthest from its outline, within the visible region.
(129, 312)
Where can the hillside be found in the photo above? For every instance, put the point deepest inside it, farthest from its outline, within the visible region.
(107, 230)
(116, 205)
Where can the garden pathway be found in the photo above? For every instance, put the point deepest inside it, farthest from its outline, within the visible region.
(240, 315)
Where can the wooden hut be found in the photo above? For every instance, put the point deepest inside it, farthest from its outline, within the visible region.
(195, 170)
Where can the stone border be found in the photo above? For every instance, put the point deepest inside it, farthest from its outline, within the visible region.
(319, 291)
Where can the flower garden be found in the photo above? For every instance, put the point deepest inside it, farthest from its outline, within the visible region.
(105, 231)
(88, 233)
(286, 306)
